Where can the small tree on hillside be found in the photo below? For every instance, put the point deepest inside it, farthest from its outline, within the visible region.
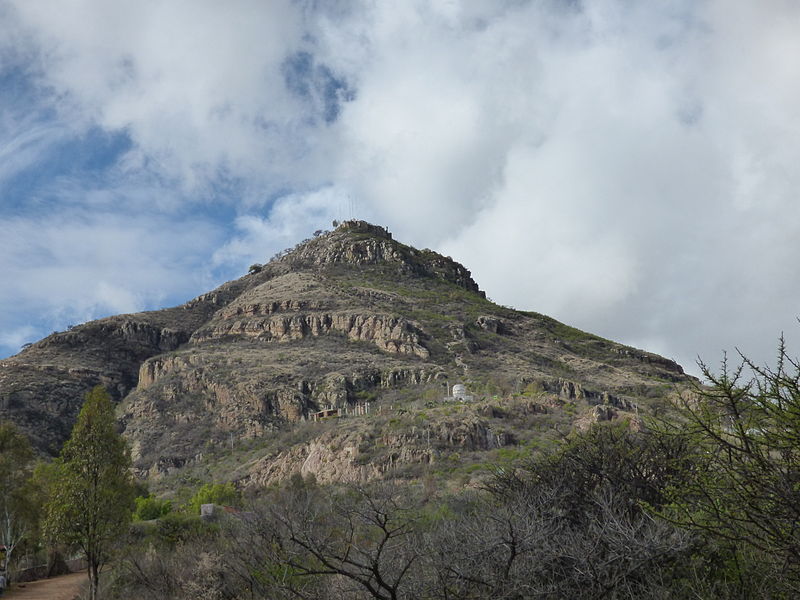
(223, 494)
(17, 512)
(744, 487)
(91, 505)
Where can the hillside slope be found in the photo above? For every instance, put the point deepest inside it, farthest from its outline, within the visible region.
(352, 321)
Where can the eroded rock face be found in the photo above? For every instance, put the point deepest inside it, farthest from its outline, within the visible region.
(491, 324)
(654, 359)
(573, 390)
(604, 412)
(259, 309)
(199, 403)
(351, 457)
(42, 388)
(127, 337)
(329, 459)
(395, 335)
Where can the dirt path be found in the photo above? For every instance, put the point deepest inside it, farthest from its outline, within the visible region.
(64, 587)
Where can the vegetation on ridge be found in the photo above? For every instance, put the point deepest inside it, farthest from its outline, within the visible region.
(702, 505)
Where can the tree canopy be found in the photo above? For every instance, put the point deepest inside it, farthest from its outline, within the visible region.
(92, 503)
(214, 493)
(17, 511)
(743, 487)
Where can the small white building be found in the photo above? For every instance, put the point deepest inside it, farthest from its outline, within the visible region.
(459, 394)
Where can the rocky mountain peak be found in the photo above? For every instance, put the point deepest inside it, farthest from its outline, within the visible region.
(356, 243)
(363, 227)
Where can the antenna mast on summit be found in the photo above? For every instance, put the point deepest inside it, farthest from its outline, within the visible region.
(351, 206)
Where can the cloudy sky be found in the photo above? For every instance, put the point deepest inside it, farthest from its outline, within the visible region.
(630, 168)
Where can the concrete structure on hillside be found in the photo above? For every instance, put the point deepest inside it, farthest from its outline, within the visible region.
(459, 394)
(346, 411)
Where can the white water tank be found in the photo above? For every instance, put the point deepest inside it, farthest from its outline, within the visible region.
(459, 391)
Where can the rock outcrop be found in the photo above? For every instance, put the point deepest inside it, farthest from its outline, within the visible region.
(391, 334)
(361, 455)
(361, 243)
(42, 388)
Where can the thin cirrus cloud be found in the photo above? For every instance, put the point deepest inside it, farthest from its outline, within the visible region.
(68, 269)
(629, 169)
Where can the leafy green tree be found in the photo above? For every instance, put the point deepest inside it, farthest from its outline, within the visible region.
(91, 506)
(224, 494)
(636, 466)
(150, 507)
(744, 485)
(45, 478)
(18, 516)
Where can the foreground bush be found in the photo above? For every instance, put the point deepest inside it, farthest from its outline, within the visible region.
(149, 508)
(743, 490)
(704, 507)
(570, 524)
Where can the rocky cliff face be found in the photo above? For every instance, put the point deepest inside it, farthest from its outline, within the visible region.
(349, 456)
(347, 320)
(42, 388)
(392, 334)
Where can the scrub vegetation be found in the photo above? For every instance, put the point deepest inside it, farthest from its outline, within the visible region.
(703, 505)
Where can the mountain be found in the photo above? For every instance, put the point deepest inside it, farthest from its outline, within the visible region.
(232, 383)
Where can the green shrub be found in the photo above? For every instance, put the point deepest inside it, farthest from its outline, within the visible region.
(533, 389)
(176, 528)
(224, 494)
(150, 507)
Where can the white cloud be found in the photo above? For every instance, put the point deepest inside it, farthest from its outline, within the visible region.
(197, 85)
(14, 339)
(69, 268)
(627, 168)
(626, 173)
(291, 219)
(24, 144)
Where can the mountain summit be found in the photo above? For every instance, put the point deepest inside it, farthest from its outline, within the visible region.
(348, 322)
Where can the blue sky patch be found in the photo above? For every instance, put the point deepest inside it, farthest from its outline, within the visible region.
(92, 153)
(317, 85)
